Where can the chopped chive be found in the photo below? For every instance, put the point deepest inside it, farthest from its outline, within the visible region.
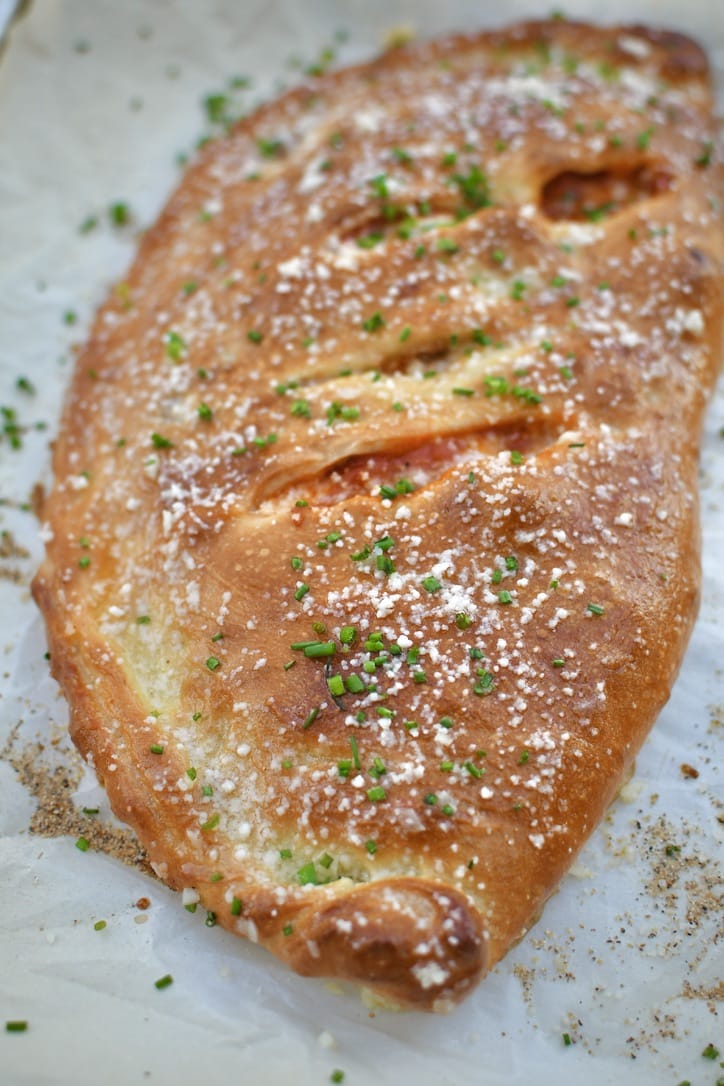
(504, 597)
(156, 748)
(355, 752)
(175, 345)
(431, 584)
(354, 684)
(377, 769)
(307, 875)
(100, 925)
(161, 442)
(368, 241)
(16, 1026)
(254, 336)
(374, 323)
(213, 663)
(371, 847)
(643, 139)
(595, 608)
(376, 794)
(312, 717)
(301, 591)
(496, 386)
(120, 214)
(341, 411)
(704, 159)
(83, 844)
(210, 823)
(320, 648)
(335, 685)
(378, 185)
(485, 684)
(235, 906)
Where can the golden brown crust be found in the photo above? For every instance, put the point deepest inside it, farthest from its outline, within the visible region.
(373, 548)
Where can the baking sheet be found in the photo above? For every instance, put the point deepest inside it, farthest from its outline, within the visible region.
(97, 102)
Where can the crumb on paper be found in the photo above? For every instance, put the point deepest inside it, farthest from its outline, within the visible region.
(630, 791)
(52, 786)
(398, 35)
(10, 552)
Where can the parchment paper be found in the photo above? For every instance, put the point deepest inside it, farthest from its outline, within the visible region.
(96, 102)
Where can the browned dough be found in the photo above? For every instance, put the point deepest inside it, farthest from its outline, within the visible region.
(412, 368)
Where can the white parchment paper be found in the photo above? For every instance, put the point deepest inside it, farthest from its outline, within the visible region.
(97, 100)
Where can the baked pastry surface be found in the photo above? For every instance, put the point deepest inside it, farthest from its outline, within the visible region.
(372, 553)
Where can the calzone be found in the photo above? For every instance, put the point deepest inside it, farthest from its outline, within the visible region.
(372, 552)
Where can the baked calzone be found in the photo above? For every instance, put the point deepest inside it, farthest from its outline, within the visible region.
(372, 552)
